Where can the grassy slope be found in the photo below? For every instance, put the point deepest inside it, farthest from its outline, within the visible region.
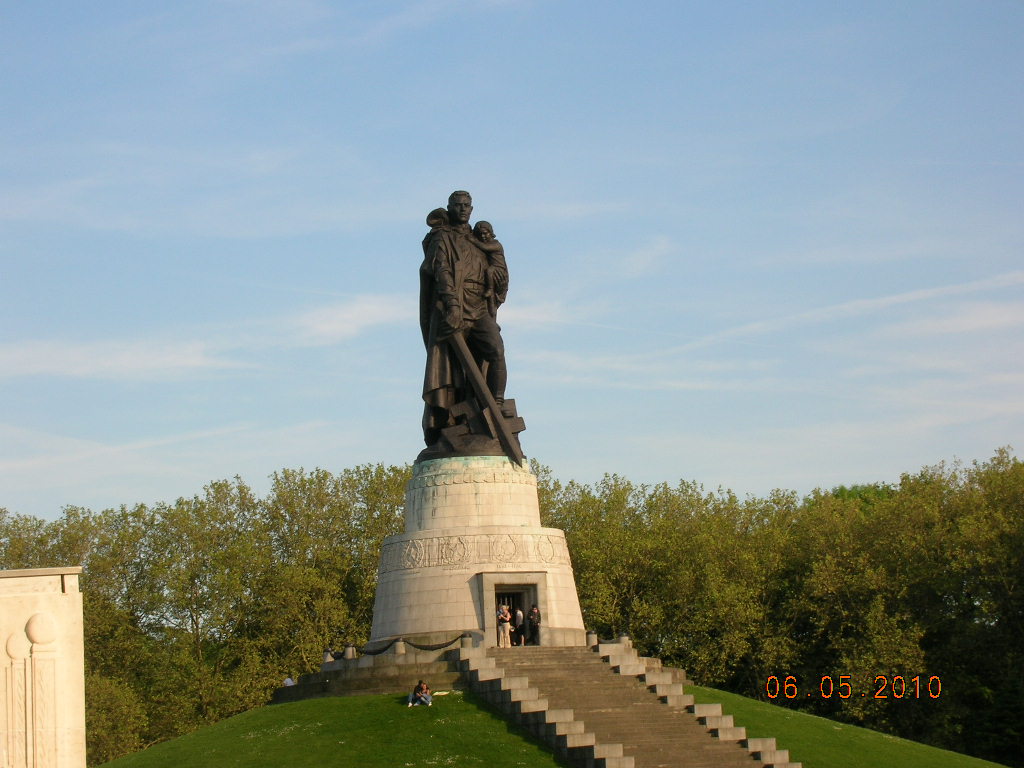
(354, 732)
(820, 743)
(381, 732)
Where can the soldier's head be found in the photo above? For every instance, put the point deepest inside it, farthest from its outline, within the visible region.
(460, 206)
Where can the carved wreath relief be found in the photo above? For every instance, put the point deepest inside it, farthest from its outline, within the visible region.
(454, 552)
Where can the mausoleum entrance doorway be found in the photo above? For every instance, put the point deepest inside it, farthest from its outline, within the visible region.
(521, 597)
(515, 596)
(517, 590)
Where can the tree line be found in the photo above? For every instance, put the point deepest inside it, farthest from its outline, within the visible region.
(896, 606)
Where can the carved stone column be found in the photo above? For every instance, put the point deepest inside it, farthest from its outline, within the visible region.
(42, 693)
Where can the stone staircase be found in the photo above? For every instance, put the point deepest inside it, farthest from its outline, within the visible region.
(606, 707)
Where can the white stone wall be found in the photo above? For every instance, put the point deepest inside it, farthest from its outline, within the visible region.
(472, 527)
(470, 491)
(42, 669)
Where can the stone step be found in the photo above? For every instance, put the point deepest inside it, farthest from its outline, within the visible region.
(560, 715)
(712, 722)
(537, 652)
(561, 673)
(692, 751)
(607, 750)
(619, 711)
(732, 733)
(665, 689)
(572, 740)
(758, 745)
(519, 694)
(510, 682)
(707, 749)
(482, 662)
(589, 678)
(651, 735)
(540, 721)
(530, 705)
(631, 668)
(620, 659)
(561, 729)
(654, 678)
(682, 701)
(551, 663)
(604, 649)
(705, 710)
(483, 675)
(772, 757)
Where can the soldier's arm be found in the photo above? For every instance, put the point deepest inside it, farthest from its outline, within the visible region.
(498, 273)
(440, 254)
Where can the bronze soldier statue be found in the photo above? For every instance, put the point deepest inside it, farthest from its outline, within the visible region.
(463, 281)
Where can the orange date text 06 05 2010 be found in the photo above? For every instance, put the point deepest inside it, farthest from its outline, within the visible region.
(884, 687)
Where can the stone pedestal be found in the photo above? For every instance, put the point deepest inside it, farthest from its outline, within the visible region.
(42, 678)
(472, 534)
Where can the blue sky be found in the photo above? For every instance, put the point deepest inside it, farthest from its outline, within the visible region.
(756, 245)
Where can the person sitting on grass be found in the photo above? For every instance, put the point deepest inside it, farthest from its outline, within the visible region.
(421, 695)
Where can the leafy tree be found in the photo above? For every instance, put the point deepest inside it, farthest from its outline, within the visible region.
(325, 533)
(115, 719)
(195, 610)
(22, 541)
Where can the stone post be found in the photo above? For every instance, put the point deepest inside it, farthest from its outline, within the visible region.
(42, 669)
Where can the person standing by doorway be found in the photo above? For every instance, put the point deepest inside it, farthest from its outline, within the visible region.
(504, 620)
(520, 628)
(533, 625)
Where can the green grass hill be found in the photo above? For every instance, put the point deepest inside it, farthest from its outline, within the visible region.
(820, 743)
(381, 732)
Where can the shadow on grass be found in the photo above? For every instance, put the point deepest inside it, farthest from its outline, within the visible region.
(497, 717)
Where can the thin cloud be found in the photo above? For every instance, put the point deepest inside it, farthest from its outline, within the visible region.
(967, 318)
(224, 39)
(44, 470)
(340, 322)
(902, 248)
(413, 16)
(617, 372)
(56, 452)
(109, 359)
(49, 201)
(160, 358)
(854, 308)
(661, 359)
(648, 258)
(263, 189)
(534, 210)
(541, 314)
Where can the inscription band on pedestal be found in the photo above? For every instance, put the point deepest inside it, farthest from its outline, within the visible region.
(471, 549)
